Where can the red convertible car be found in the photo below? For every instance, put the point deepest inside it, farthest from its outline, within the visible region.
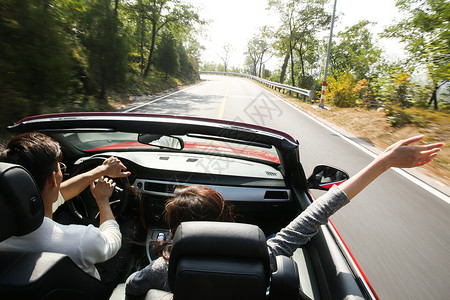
(256, 169)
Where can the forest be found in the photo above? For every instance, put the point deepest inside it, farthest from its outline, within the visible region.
(81, 55)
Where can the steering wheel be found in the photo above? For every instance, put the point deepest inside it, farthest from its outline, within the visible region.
(84, 207)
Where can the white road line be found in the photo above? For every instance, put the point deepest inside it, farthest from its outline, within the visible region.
(402, 172)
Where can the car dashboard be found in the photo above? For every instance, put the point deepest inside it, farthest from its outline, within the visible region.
(257, 191)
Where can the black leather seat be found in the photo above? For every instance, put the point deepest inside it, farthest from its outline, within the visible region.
(219, 260)
(35, 275)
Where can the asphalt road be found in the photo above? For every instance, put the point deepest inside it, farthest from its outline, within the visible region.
(397, 230)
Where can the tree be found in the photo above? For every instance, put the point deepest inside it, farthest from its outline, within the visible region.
(225, 56)
(106, 48)
(35, 60)
(257, 48)
(426, 32)
(354, 51)
(155, 15)
(188, 64)
(301, 20)
(166, 55)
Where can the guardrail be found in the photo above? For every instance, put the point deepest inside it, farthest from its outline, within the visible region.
(274, 85)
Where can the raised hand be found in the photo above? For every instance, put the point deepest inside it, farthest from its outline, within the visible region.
(401, 155)
(405, 155)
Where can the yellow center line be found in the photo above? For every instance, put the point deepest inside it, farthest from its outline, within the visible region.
(224, 102)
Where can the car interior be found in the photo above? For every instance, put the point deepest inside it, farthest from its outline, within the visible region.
(213, 260)
(265, 185)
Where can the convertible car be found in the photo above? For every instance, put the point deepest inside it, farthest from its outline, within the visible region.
(256, 169)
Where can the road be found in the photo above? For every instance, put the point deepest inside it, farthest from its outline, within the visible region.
(397, 230)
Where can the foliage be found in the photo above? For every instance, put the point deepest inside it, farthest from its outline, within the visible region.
(397, 117)
(392, 85)
(106, 49)
(166, 55)
(340, 90)
(209, 66)
(363, 93)
(426, 32)
(257, 48)
(73, 55)
(296, 38)
(188, 64)
(344, 91)
(35, 61)
(355, 51)
(152, 17)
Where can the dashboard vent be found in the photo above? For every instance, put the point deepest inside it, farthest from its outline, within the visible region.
(164, 158)
(191, 160)
(276, 195)
(159, 187)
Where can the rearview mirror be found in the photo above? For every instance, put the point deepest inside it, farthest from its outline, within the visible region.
(324, 177)
(161, 141)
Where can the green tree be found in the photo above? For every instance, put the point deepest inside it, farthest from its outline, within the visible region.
(301, 20)
(354, 51)
(426, 32)
(105, 47)
(152, 16)
(188, 64)
(257, 49)
(166, 55)
(35, 61)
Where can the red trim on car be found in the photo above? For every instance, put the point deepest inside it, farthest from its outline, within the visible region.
(354, 260)
(351, 255)
(329, 185)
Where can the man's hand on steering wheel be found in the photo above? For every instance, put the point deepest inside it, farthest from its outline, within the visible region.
(114, 168)
(102, 191)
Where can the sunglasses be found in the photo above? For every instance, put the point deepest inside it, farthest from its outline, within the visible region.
(62, 166)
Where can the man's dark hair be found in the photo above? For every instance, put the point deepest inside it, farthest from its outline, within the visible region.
(36, 152)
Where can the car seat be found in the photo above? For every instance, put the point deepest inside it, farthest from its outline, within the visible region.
(220, 260)
(35, 275)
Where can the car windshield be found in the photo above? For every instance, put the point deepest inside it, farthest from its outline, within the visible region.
(117, 141)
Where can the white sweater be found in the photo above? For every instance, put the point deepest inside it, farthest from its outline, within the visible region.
(85, 245)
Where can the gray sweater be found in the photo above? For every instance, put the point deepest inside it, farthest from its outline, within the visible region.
(293, 236)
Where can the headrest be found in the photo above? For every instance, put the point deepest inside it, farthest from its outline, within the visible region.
(218, 239)
(21, 206)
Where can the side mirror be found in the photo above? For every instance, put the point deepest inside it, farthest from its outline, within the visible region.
(324, 177)
(161, 141)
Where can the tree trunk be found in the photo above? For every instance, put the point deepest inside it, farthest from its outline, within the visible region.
(292, 65)
(152, 47)
(433, 98)
(116, 7)
(300, 53)
(283, 67)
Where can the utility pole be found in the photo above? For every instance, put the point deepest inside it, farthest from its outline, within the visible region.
(324, 85)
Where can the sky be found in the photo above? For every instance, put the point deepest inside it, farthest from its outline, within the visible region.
(236, 21)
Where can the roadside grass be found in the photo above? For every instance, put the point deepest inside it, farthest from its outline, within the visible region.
(372, 126)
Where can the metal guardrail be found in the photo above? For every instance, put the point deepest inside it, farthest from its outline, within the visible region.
(274, 85)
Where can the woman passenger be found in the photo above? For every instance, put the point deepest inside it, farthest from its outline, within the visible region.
(199, 203)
